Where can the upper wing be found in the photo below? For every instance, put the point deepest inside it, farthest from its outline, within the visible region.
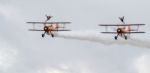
(125, 32)
(49, 22)
(51, 30)
(121, 24)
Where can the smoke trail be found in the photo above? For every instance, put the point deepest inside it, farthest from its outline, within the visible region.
(142, 63)
(8, 55)
(105, 39)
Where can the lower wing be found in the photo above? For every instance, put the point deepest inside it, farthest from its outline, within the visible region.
(136, 32)
(125, 32)
(62, 30)
(35, 30)
(110, 32)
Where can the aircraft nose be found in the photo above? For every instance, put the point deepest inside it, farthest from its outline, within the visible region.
(118, 30)
(45, 28)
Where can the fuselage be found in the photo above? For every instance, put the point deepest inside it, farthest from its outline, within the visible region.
(49, 28)
(123, 30)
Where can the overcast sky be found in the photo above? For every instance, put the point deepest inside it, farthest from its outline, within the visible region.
(22, 51)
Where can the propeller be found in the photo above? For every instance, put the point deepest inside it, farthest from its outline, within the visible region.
(45, 31)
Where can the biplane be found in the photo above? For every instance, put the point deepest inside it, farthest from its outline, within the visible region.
(50, 27)
(122, 30)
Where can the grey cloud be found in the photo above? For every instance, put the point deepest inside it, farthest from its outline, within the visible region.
(37, 54)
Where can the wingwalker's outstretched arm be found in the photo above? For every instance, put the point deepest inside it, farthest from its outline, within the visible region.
(48, 17)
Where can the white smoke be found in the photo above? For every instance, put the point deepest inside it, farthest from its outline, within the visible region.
(76, 67)
(106, 39)
(142, 64)
(8, 55)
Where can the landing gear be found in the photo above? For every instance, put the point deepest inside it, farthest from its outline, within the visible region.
(121, 35)
(125, 37)
(115, 37)
(43, 35)
(52, 35)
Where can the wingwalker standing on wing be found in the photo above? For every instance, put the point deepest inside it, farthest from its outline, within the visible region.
(122, 29)
(49, 27)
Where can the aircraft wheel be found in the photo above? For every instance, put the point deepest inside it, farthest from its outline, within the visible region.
(43, 35)
(115, 37)
(52, 35)
(125, 37)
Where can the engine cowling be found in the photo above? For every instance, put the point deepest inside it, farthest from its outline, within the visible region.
(46, 28)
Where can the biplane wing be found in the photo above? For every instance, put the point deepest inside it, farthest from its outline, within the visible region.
(125, 32)
(62, 30)
(121, 24)
(35, 30)
(110, 32)
(51, 30)
(136, 32)
(49, 22)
